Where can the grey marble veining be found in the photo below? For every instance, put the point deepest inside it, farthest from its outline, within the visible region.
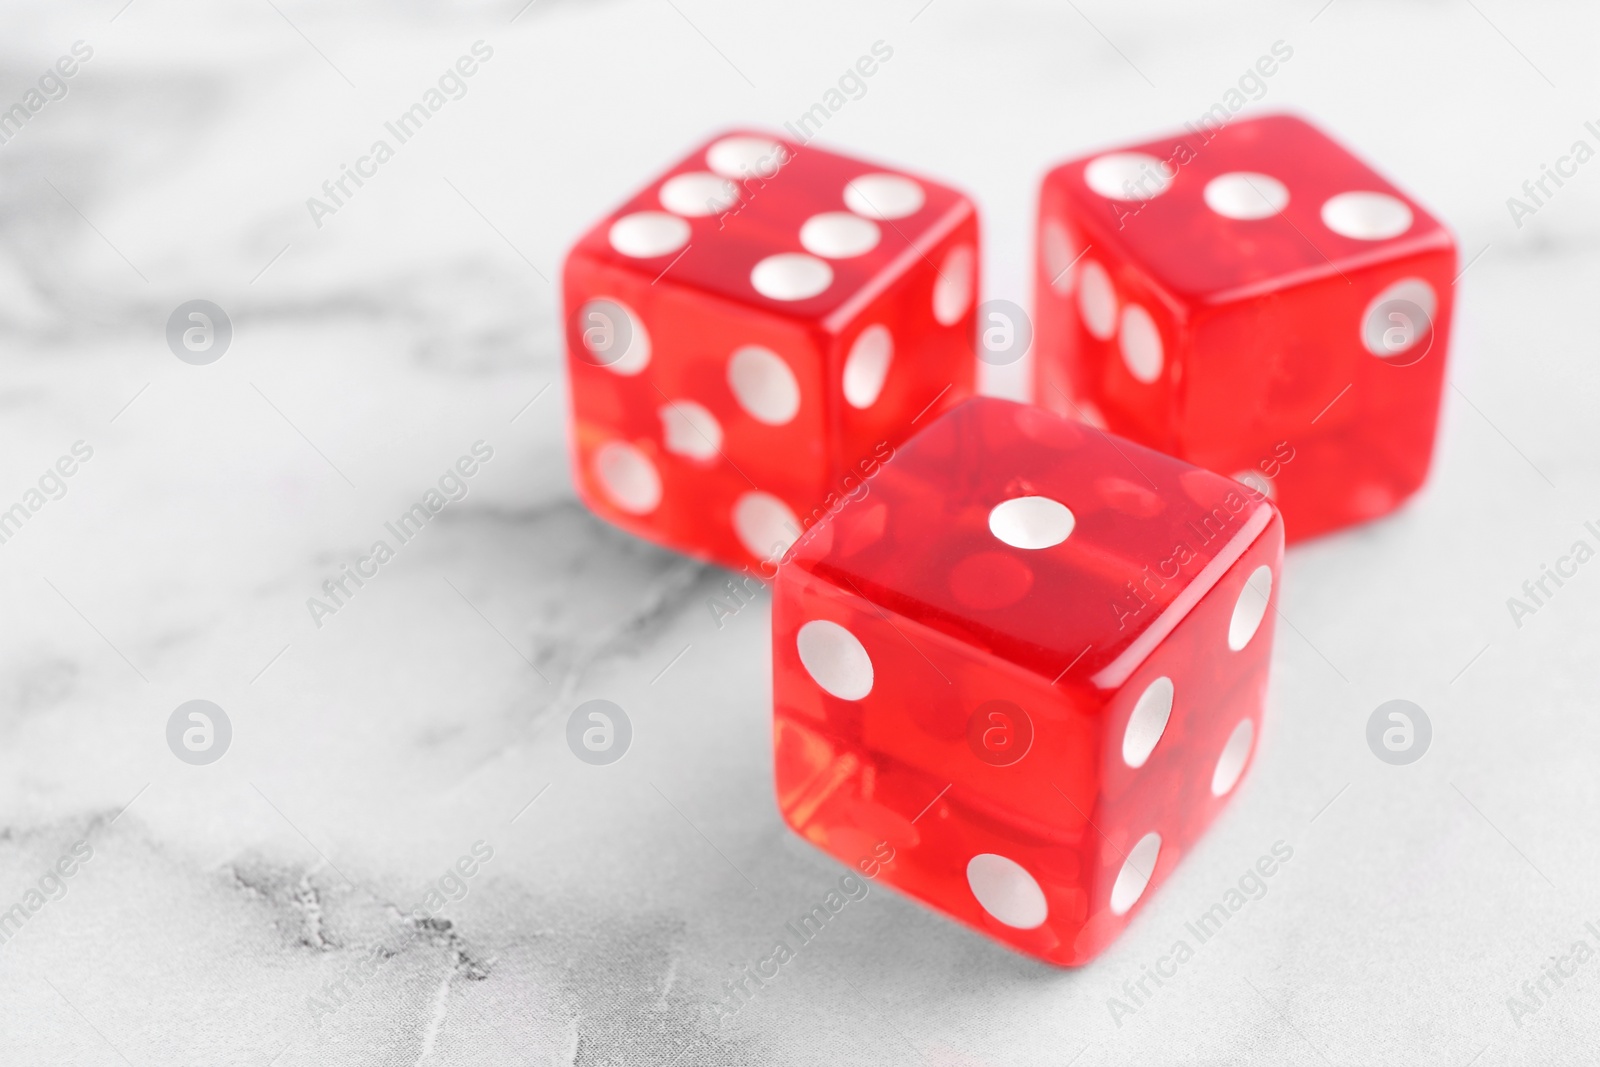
(262, 909)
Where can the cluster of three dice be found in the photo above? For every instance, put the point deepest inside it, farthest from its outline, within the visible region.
(1026, 655)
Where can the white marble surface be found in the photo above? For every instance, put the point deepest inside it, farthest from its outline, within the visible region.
(372, 752)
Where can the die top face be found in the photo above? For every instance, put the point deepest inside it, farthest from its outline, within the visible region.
(1039, 540)
(1258, 205)
(782, 227)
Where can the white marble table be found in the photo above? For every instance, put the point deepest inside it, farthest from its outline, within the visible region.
(221, 906)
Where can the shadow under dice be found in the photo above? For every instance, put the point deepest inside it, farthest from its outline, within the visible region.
(752, 333)
(1032, 659)
(1254, 299)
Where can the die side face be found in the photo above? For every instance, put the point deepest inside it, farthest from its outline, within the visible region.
(749, 329)
(1265, 272)
(670, 452)
(896, 362)
(955, 675)
(1333, 449)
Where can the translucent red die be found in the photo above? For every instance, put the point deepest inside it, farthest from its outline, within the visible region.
(751, 330)
(1031, 659)
(1257, 300)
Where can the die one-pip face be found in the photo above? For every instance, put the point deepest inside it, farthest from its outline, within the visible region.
(1032, 660)
(1256, 299)
(751, 329)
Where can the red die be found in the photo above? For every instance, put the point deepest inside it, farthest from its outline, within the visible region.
(1256, 300)
(1029, 666)
(751, 332)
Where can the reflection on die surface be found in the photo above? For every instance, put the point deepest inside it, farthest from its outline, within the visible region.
(753, 325)
(1032, 658)
(1257, 300)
